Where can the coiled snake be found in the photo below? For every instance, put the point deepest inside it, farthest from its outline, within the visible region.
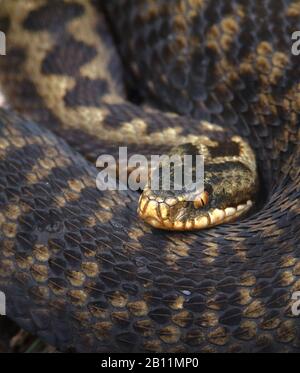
(78, 267)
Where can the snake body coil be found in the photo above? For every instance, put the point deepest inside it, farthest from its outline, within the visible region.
(78, 267)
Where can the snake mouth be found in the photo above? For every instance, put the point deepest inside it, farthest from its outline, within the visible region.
(158, 213)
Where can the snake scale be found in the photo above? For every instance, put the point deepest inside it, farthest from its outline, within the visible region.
(77, 265)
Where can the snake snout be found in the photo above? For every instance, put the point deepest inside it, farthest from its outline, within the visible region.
(169, 212)
(157, 211)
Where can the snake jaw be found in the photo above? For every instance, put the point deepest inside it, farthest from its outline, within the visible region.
(159, 214)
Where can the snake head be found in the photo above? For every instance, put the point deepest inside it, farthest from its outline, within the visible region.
(230, 183)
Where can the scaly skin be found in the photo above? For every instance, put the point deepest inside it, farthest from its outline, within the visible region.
(78, 267)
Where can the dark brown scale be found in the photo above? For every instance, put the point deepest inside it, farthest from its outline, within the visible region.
(68, 59)
(95, 88)
(229, 148)
(78, 267)
(52, 16)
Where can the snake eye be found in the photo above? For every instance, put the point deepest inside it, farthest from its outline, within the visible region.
(201, 200)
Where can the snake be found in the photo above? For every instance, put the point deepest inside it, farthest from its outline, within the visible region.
(78, 266)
